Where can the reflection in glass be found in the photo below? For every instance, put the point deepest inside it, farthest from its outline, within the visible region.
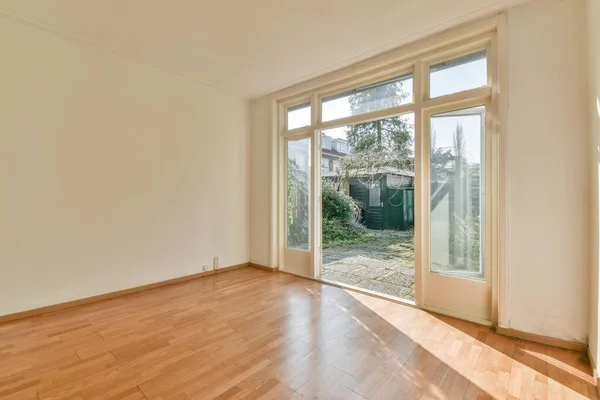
(457, 190)
(298, 194)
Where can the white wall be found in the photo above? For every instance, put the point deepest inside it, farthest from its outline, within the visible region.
(593, 16)
(260, 182)
(547, 170)
(113, 174)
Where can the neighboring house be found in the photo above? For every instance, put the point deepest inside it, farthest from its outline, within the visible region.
(332, 151)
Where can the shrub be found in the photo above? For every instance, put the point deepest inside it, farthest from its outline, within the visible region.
(338, 225)
(337, 206)
(337, 233)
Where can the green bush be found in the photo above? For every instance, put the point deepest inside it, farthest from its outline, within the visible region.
(337, 206)
(337, 233)
(339, 227)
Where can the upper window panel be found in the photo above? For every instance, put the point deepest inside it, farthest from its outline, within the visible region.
(457, 75)
(366, 99)
(298, 116)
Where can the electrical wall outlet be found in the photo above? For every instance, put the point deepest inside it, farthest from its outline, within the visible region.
(215, 263)
(204, 267)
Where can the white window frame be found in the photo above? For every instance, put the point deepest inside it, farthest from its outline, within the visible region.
(489, 34)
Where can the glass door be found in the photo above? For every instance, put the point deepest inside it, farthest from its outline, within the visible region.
(390, 183)
(457, 276)
(298, 211)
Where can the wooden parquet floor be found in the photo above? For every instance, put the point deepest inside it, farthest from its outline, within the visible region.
(251, 334)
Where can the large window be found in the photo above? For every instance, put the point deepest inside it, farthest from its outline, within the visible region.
(410, 145)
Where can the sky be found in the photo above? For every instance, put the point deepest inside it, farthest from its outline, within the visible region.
(446, 81)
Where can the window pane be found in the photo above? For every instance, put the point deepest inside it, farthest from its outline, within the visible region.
(374, 195)
(298, 194)
(457, 192)
(458, 75)
(370, 98)
(298, 116)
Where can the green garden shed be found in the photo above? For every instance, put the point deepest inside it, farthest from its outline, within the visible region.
(386, 199)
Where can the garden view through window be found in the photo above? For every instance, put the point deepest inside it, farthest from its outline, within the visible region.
(367, 174)
(368, 183)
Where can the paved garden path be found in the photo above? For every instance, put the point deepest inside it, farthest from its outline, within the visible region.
(385, 265)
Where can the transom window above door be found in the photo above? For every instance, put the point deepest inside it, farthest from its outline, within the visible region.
(375, 97)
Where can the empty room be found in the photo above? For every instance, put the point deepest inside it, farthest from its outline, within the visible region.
(321, 199)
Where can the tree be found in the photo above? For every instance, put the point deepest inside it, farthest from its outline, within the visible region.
(391, 138)
(378, 144)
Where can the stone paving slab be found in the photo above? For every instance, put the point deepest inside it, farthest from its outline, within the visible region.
(399, 266)
(371, 272)
(343, 267)
(400, 278)
(341, 277)
(385, 265)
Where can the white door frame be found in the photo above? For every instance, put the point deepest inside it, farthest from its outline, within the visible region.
(454, 294)
(415, 58)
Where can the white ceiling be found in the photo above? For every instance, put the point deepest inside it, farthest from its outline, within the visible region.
(250, 47)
